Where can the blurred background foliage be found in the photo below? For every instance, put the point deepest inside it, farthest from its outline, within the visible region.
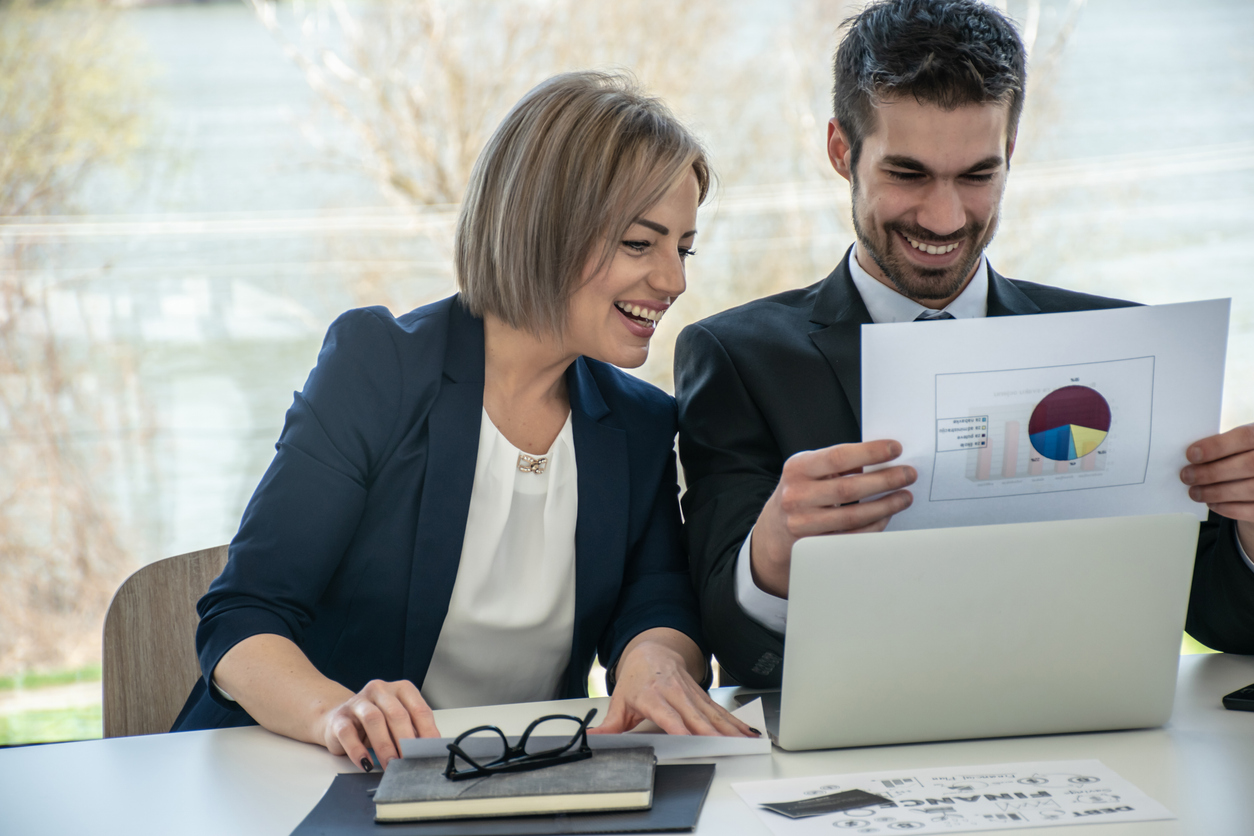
(74, 98)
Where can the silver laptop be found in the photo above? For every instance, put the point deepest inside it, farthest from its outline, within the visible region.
(988, 631)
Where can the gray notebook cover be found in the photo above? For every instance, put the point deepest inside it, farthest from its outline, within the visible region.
(679, 791)
(613, 771)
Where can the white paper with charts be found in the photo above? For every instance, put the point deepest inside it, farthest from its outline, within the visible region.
(1044, 417)
(960, 799)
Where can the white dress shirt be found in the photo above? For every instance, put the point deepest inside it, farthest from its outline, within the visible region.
(510, 622)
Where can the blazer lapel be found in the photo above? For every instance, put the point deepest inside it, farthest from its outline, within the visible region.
(452, 447)
(604, 495)
(839, 309)
(1004, 299)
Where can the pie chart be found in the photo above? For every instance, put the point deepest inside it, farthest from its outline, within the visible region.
(1069, 423)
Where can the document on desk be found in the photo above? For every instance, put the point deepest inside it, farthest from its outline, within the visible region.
(1046, 417)
(955, 799)
(666, 747)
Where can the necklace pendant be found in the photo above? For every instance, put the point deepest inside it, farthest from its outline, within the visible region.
(530, 464)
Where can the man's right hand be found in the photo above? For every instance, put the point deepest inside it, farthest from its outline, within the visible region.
(814, 496)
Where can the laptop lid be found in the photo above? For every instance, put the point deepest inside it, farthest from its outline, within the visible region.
(986, 631)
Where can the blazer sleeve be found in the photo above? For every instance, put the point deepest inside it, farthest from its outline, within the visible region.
(656, 591)
(304, 513)
(1221, 603)
(732, 465)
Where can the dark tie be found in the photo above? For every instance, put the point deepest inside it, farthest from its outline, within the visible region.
(931, 316)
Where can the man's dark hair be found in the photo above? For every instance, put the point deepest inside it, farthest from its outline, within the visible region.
(947, 53)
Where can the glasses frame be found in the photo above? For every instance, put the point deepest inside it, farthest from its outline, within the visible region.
(516, 758)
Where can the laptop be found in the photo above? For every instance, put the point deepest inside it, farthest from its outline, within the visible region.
(986, 631)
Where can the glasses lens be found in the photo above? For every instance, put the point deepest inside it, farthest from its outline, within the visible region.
(484, 746)
(552, 736)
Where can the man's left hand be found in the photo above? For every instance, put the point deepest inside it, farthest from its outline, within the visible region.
(1221, 474)
(655, 683)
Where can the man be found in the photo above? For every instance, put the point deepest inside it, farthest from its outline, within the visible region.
(928, 95)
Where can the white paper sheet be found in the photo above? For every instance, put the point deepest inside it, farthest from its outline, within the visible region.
(665, 746)
(1052, 416)
(961, 799)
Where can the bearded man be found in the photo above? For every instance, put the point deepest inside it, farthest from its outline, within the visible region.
(928, 95)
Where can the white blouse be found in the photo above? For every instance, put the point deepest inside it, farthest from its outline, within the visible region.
(507, 635)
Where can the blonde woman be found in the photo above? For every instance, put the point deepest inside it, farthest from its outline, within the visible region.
(470, 501)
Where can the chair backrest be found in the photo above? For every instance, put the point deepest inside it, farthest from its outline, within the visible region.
(149, 661)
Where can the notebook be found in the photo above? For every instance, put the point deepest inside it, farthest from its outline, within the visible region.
(415, 789)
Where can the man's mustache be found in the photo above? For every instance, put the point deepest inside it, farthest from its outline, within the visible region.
(924, 236)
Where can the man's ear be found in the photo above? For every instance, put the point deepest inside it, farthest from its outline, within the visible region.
(1010, 147)
(839, 151)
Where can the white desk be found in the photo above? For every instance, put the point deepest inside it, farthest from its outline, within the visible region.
(248, 781)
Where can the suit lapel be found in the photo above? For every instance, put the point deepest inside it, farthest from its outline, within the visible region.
(604, 495)
(839, 310)
(1004, 299)
(452, 447)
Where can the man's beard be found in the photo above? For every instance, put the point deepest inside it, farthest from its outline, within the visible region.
(917, 282)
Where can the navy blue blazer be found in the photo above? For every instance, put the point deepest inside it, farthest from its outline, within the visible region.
(350, 545)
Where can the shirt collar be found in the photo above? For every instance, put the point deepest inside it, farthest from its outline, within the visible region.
(887, 305)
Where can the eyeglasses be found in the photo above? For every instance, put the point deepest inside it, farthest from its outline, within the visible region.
(534, 750)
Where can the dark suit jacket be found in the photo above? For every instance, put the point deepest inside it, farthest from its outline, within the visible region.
(351, 543)
(779, 375)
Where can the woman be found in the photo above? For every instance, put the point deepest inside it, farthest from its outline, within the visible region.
(469, 501)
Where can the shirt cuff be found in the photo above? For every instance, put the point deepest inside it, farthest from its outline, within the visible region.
(761, 606)
(214, 684)
(1241, 549)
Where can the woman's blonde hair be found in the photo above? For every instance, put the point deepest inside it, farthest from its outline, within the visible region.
(573, 165)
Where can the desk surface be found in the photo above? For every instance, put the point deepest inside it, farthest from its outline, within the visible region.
(249, 781)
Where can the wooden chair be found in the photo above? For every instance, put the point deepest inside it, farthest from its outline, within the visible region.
(149, 662)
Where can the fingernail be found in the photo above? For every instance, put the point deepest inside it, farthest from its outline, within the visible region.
(894, 449)
(367, 765)
(1186, 476)
(755, 731)
(1195, 454)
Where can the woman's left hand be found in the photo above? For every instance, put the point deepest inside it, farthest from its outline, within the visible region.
(655, 682)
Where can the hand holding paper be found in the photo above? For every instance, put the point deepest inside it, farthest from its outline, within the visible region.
(820, 492)
(1221, 474)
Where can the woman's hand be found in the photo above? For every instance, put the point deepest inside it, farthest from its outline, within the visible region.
(656, 682)
(279, 687)
(379, 716)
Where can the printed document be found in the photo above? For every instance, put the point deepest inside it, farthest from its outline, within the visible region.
(950, 799)
(666, 747)
(1046, 417)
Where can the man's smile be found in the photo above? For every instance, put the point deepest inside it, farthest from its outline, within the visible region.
(931, 249)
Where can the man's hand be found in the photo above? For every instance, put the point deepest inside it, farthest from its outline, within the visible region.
(813, 497)
(378, 716)
(657, 680)
(1222, 476)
